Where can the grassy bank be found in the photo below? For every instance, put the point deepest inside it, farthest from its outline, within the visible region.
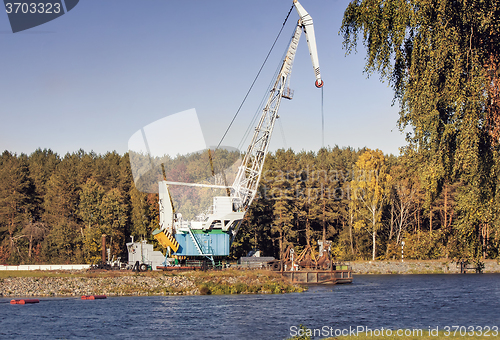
(409, 334)
(242, 281)
(117, 283)
(425, 336)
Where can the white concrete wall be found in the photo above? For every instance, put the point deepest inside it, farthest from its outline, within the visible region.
(47, 267)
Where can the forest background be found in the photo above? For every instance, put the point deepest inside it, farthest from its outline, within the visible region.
(54, 209)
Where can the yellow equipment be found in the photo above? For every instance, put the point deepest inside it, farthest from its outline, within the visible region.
(166, 239)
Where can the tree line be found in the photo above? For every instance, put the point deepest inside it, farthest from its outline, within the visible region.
(367, 203)
(54, 209)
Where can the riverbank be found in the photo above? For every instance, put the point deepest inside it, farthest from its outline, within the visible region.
(233, 281)
(416, 267)
(470, 333)
(64, 283)
(474, 333)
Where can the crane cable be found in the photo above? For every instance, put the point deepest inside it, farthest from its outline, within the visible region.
(257, 76)
(282, 133)
(263, 101)
(322, 120)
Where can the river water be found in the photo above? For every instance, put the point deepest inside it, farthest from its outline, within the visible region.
(371, 301)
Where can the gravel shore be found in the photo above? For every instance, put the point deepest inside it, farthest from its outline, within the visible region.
(113, 286)
(78, 283)
(235, 282)
(416, 267)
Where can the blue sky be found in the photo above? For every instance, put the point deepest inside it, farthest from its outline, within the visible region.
(93, 77)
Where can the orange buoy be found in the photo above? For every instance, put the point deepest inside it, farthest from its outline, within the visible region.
(23, 301)
(93, 297)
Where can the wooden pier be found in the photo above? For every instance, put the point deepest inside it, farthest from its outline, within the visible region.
(308, 267)
(466, 265)
(319, 276)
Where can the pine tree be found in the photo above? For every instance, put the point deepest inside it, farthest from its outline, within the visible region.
(42, 164)
(16, 190)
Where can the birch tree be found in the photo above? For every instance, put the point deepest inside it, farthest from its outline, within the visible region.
(369, 191)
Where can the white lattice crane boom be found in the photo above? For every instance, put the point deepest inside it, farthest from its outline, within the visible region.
(247, 180)
(208, 234)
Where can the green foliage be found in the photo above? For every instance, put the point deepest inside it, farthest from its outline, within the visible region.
(63, 244)
(424, 245)
(102, 213)
(422, 335)
(442, 58)
(16, 209)
(47, 203)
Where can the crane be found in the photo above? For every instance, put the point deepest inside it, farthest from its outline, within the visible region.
(213, 231)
